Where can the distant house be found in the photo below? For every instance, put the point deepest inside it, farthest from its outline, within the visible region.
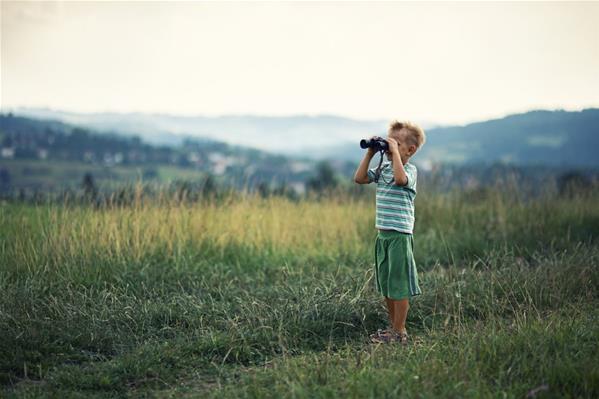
(8, 152)
(298, 187)
(220, 162)
(108, 158)
(298, 166)
(194, 158)
(42, 153)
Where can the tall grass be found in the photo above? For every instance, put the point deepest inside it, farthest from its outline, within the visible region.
(251, 230)
(178, 298)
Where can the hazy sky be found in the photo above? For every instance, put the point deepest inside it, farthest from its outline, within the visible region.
(433, 62)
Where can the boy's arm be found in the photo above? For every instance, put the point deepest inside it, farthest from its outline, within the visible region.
(399, 173)
(361, 175)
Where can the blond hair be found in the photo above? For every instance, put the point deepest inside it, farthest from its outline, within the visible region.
(416, 135)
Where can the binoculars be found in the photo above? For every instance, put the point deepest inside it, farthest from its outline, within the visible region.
(377, 143)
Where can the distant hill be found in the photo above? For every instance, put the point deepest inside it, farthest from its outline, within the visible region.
(45, 155)
(553, 138)
(536, 138)
(48, 141)
(301, 135)
(549, 138)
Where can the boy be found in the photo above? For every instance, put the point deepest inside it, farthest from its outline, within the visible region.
(395, 269)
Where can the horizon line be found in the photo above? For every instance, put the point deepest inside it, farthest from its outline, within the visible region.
(435, 124)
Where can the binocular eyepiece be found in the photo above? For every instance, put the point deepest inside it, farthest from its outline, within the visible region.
(377, 144)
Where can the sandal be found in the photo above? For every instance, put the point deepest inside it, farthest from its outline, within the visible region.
(380, 332)
(388, 336)
(384, 336)
(402, 337)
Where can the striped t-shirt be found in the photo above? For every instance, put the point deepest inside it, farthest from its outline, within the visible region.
(394, 204)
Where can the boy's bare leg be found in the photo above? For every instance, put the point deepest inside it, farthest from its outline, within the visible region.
(391, 309)
(398, 313)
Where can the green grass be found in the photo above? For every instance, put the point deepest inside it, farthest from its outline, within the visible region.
(47, 176)
(268, 297)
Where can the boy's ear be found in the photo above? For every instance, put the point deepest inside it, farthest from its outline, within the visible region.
(412, 149)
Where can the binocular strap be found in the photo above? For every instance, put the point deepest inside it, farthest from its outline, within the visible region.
(377, 173)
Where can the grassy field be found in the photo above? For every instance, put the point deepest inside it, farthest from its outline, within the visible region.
(47, 176)
(266, 297)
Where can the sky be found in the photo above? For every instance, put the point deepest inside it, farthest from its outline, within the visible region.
(448, 63)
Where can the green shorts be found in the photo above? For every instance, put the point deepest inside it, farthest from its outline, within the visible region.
(394, 265)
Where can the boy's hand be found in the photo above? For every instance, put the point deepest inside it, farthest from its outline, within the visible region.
(393, 145)
(370, 149)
